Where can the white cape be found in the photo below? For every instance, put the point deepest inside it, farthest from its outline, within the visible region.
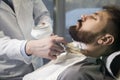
(52, 70)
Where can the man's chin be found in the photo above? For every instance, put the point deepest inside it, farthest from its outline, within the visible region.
(73, 33)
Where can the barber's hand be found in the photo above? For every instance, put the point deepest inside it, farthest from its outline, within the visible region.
(47, 48)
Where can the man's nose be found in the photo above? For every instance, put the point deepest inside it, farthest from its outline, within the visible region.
(85, 17)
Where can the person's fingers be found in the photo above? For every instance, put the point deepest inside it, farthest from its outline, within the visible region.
(53, 54)
(58, 39)
(58, 47)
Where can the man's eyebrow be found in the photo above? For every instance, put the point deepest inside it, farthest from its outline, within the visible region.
(96, 13)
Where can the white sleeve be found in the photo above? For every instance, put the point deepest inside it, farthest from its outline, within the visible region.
(27, 59)
(11, 49)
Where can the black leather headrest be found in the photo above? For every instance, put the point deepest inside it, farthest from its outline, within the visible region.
(113, 64)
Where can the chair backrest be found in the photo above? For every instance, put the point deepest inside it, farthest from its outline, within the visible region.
(113, 64)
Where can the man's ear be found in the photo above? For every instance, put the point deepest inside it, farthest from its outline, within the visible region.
(107, 39)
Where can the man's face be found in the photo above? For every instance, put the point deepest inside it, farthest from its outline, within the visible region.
(90, 27)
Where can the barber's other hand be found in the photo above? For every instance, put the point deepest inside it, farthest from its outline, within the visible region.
(46, 48)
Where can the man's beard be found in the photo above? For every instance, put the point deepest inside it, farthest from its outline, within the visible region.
(82, 36)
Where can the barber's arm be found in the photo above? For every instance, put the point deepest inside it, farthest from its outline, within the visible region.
(40, 12)
(11, 48)
(43, 23)
(46, 48)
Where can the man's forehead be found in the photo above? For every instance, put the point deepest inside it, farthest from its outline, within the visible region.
(103, 13)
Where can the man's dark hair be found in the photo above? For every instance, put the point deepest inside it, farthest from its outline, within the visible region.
(114, 12)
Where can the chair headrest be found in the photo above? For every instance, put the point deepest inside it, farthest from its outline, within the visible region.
(113, 63)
